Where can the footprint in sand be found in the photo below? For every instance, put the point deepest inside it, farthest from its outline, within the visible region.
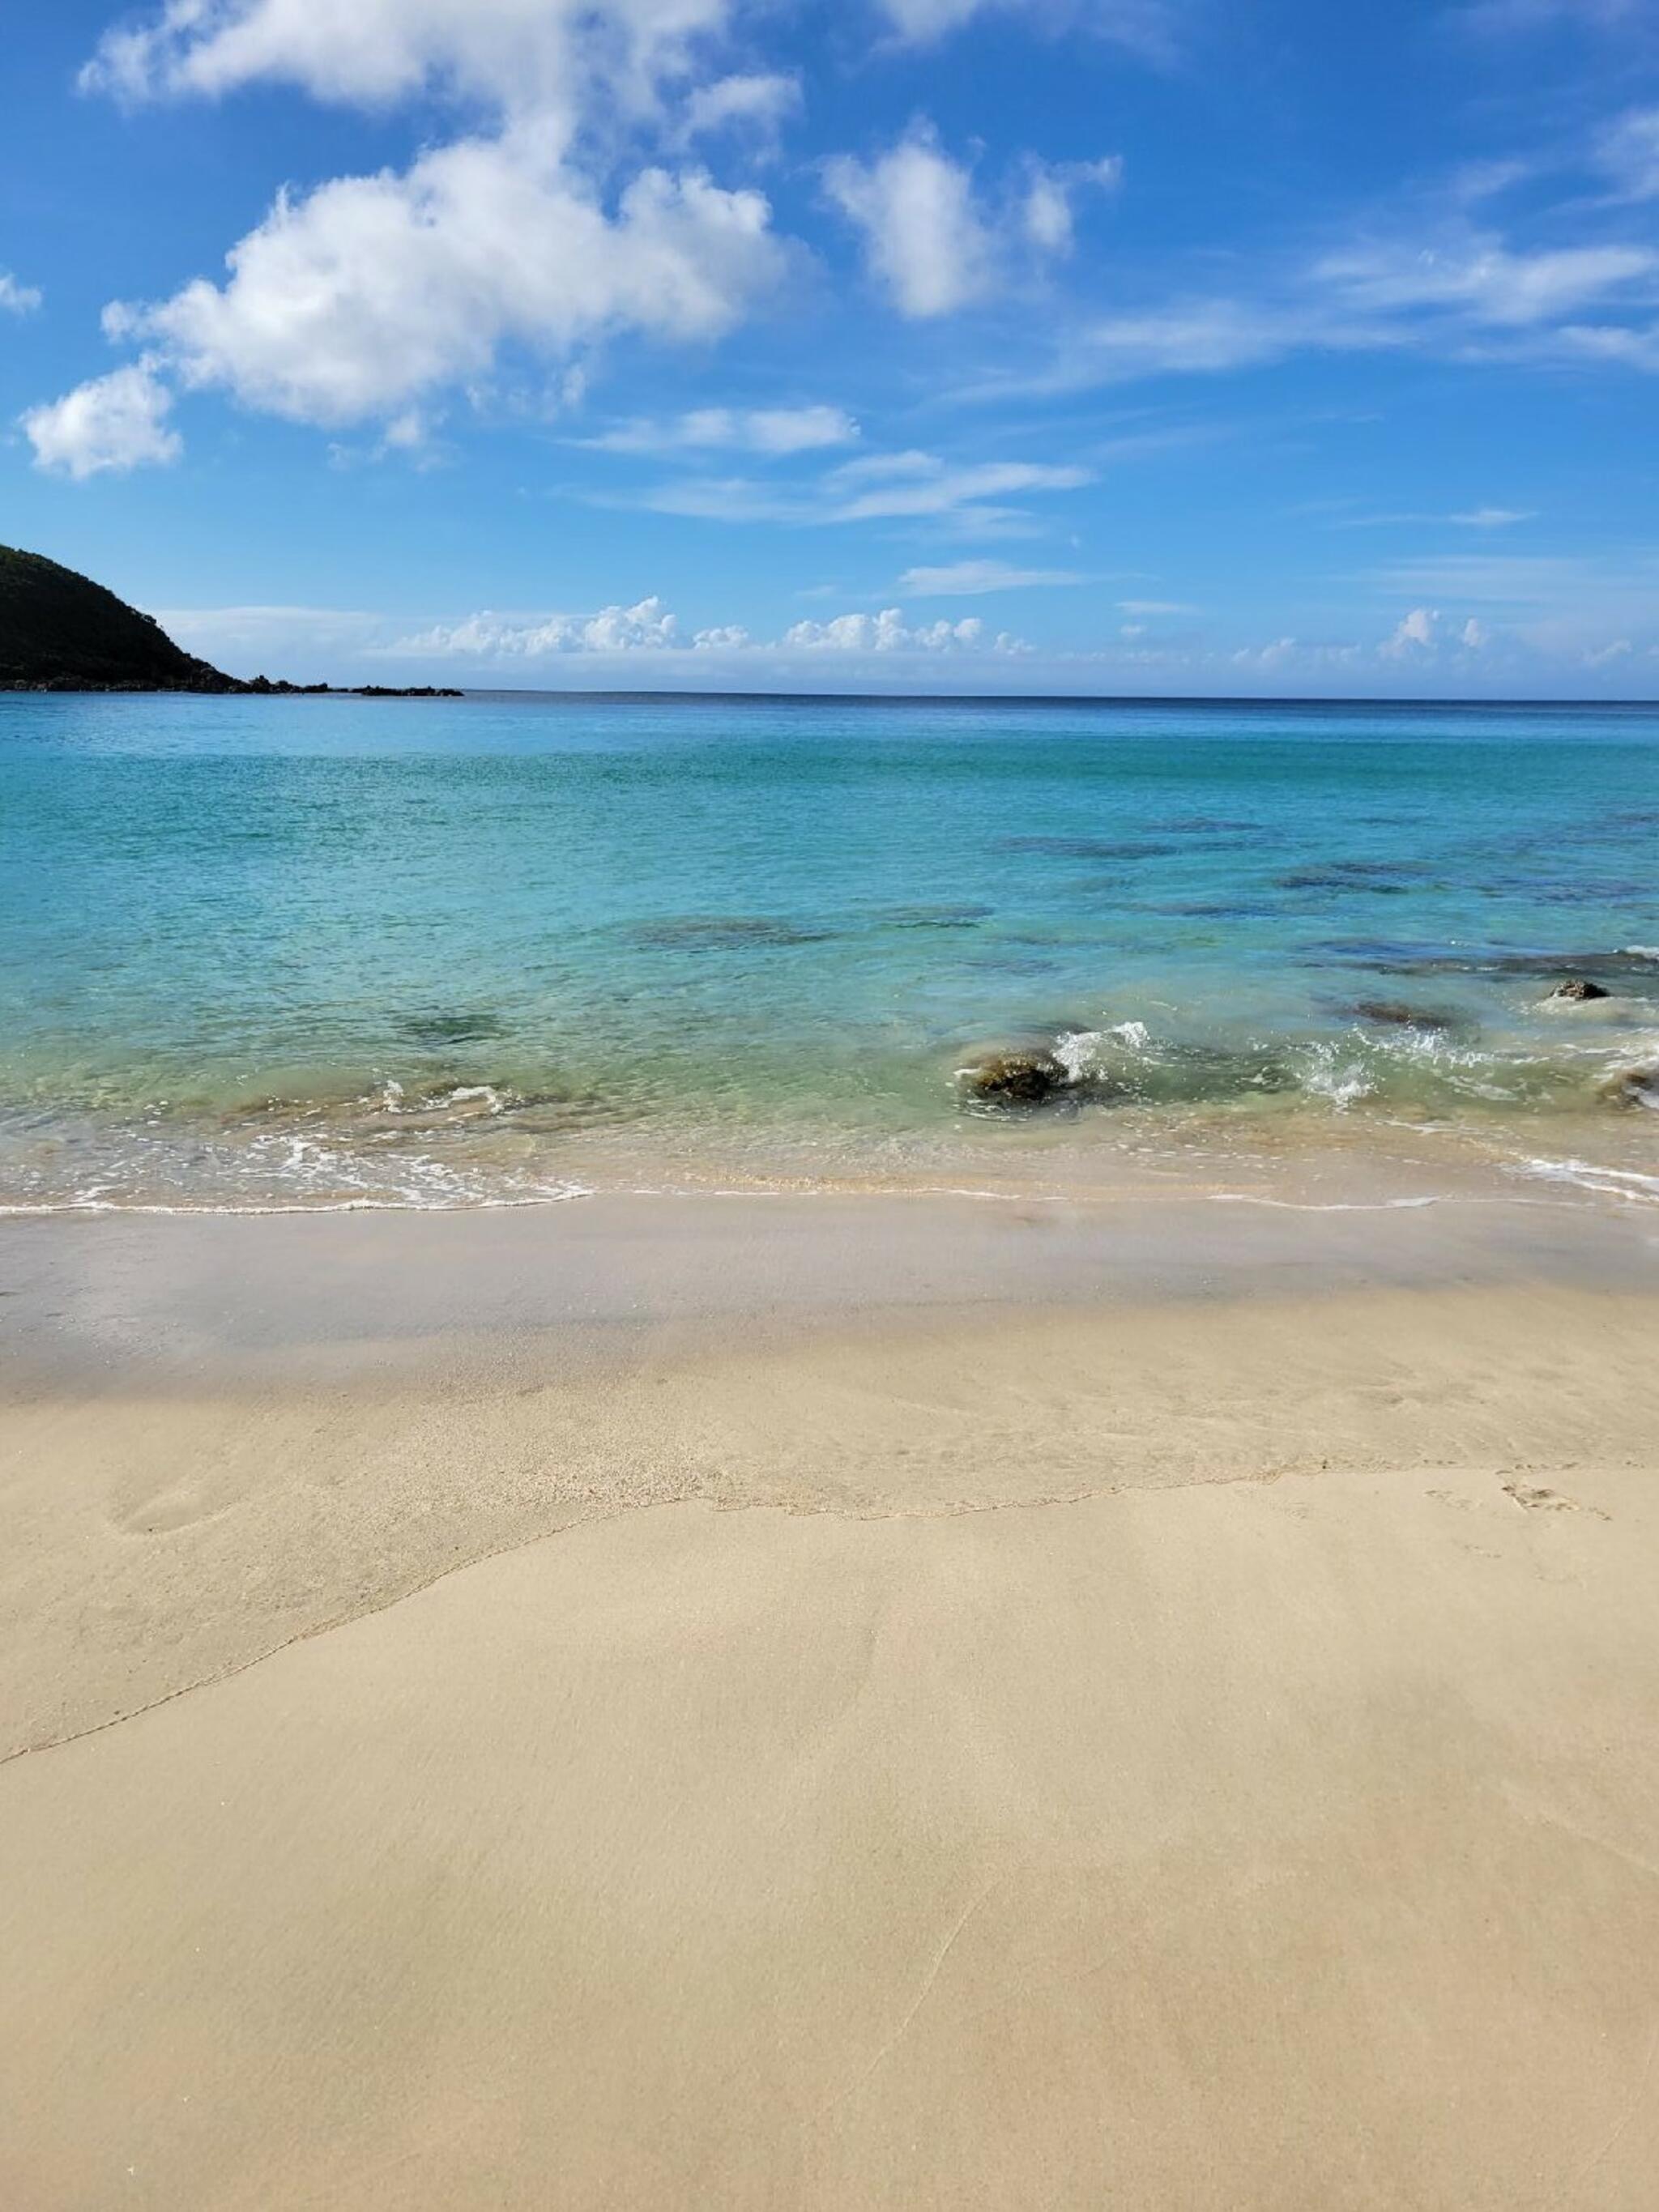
(1538, 1500)
(163, 1512)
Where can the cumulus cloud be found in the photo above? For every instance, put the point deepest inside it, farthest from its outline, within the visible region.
(112, 424)
(888, 632)
(17, 299)
(1285, 655)
(649, 627)
(358, 299)
(549, 57)
(933, 239)
(371, 292)
(1415, 633)
(774, 430)
(924, 238)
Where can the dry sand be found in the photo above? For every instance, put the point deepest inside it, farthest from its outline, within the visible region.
(826, 1710)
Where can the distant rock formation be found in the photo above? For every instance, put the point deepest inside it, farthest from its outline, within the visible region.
(61, 632)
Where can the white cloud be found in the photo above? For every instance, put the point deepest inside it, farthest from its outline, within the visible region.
(1417, 632)
(17, 299)
(1147, 27)
(1045, 210)
(1477, 517)
(644, 627)
(550, 57)
(1285, 655)
(372, 291)
(966, 578)
(775, 430)
(878, 487)
(257, 636)
(1481, 278)
(1628, 151)
(1474, 635)
(648, 628)
(924, 236)
(1155, 607)
(933, 241)
(916, 484)
(1464, 292)
(357, 299)
(757, 104)
(888, 632)
(113, 423)
(1189, 337)
(1623, 591)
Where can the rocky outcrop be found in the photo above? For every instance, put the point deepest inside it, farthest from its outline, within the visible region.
(1013, 1078)
(1577, 988)
(62, 632)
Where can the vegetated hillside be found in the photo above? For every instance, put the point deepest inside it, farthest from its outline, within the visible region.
(61, 632)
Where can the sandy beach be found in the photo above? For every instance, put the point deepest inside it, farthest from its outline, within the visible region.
(831, 1703)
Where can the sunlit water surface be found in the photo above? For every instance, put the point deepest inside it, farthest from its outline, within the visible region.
(298, 953)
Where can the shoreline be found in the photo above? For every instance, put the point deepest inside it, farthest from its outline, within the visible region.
(204, 1288)
(481, 1162)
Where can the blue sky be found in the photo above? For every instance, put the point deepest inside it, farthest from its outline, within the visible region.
(1104, 346)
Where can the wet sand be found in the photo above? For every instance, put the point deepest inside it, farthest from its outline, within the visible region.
(831, 1704)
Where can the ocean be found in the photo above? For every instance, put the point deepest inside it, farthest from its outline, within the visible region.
(270, 952)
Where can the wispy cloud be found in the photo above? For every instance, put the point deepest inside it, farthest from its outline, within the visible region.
(1474, 518)
(17, 299)
(910, 486)
(967, 579)
(770, 430)
(1433, 273)
(1153, 29)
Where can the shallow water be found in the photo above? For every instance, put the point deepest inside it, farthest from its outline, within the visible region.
(264, 951)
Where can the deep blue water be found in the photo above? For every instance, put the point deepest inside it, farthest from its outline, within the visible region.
(263, 951)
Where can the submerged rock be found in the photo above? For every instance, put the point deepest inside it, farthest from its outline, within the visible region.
(1399, 1013)
(1577, 987)
(1013, 1078)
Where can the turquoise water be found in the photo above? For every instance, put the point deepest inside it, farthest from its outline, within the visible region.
(302, 951)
